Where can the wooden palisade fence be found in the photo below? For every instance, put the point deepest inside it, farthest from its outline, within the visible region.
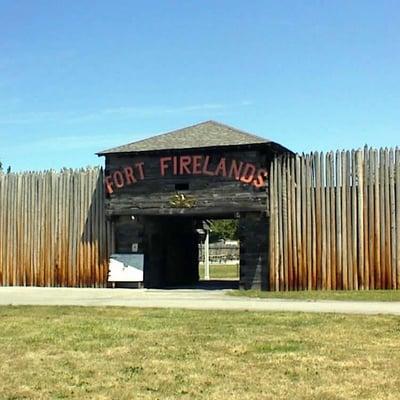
(53, 229)
(335, 221)
(335, 224)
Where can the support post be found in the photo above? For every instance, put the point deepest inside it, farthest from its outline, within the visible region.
(207, 256)
(253, 235)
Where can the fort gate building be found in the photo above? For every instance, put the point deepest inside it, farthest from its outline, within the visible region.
(160, 190)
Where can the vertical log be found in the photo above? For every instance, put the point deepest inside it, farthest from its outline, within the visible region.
(382, 217)
(304, 211)
(371, 219)
(54, 193)
(387, 250)
(314, 223)
(20, 227)
(328, 185)
(318, 233)
(344, 222)
(356, 215)
(392, 243)
(333, 220)
(41, 244)
(377, 222)
(299, 255)
(285, 224)
(2, 227)
(2, 205)
(349, 227)
(360, 221)
(59, 236)
(398, 216)
(339, 242)
(96, 232)
(11, 228)
(281, 225)
(272, 232)
(289, 238)
(309, 222)
(8, 231)
(323, 224)
(277, 230)
(365, 211)
(105, 250)
(294, 221)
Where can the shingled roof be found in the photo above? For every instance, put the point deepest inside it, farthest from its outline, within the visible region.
(204, 134)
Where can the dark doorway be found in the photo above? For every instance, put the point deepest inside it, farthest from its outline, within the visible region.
(173, 247)
(171, 252)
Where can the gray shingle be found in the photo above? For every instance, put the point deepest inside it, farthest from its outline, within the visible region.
(204, 134)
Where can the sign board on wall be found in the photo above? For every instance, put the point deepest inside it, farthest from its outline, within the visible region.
(188, 165)
(126, 268)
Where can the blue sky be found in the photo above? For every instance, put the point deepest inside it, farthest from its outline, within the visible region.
(77, 77)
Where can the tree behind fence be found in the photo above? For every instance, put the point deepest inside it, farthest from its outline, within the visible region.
(53, 229)
(335, 221)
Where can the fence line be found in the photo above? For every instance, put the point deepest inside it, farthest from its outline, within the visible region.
(335, 221)
(53, 229)
(221, 253)
(335, 224)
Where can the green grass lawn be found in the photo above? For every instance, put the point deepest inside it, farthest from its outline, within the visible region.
(362, 295)
(126, 353)
(222, 271)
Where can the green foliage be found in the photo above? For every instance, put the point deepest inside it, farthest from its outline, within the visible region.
(2, 169)
(224, 229)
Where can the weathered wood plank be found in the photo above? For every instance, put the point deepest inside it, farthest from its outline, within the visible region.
(327, 226)
(387, 224)
(398, 216)
(323, 275)
(313, 222)
(359, 221)
(318, 222)
(304, 259)
(355, 212)
(392, 216)
(298, 223)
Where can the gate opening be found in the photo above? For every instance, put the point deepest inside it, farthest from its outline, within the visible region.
(219, 250)
(175, 251)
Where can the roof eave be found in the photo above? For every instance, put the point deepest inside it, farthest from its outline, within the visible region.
(276, 147)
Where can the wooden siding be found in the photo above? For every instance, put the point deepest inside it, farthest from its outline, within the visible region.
(212, 194)
(53, 229)
(335, 221)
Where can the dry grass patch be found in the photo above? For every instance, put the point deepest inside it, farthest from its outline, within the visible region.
(124, 353)
(353, 295)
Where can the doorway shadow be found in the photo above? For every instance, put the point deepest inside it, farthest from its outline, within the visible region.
(213, 284)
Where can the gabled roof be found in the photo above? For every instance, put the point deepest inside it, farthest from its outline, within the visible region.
(204, 134)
